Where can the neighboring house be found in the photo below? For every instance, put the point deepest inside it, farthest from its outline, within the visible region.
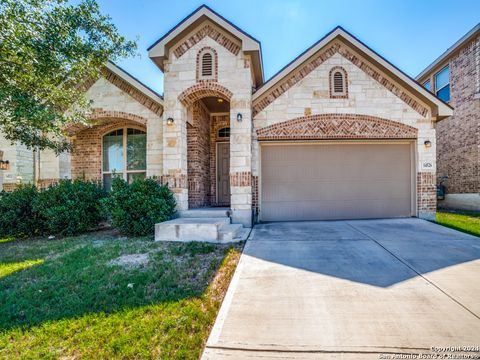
(455, 77)
(338, 133)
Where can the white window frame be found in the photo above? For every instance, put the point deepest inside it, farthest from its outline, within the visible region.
(125, 172)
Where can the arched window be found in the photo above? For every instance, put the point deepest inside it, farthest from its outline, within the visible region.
(124, 155)
(207, 63)
(224, 132)
(338, 83)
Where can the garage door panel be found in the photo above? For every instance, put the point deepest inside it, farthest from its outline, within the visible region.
(315, 182)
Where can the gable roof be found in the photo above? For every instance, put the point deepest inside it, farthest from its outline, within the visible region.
(160, 50)
(131, 86)
(133, 81)
(440, 109)
(450, 51)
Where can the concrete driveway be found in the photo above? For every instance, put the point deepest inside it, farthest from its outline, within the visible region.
(350, 290)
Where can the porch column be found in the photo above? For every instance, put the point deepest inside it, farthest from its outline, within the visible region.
(175, 152)
(241, 160)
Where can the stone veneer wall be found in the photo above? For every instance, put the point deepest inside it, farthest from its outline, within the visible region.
(308, 94)
(182, 89)
(458, 137)
(198, 157)
(21, 164)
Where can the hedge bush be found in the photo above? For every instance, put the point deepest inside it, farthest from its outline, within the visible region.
(17, 217)
(136, 208)
(71, 207)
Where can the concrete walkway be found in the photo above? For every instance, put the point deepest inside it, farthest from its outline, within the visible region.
(350, 290)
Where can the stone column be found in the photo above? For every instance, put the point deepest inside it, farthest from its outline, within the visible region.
(241, 160)
(155, 147)
(175, 152)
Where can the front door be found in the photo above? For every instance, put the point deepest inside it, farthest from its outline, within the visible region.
(223, 173)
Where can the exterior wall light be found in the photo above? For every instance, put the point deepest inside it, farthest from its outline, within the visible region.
(170, 121)
(239, 117)
(427, 143)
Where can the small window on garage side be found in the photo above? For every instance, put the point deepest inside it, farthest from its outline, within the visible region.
(338, 83)
(224, 132)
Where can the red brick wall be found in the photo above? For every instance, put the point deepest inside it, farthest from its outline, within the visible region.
(458, 137)
(87, 153)
(198, 157)
(426, 193)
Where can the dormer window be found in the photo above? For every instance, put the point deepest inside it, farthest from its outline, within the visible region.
(207, 61)
(338, 83)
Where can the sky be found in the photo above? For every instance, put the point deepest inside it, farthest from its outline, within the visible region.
(411, 34)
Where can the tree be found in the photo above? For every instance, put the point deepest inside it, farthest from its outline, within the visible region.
(49, 50)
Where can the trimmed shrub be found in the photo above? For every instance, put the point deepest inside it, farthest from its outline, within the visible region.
(70, 207)
(136, 208)
(17, 217)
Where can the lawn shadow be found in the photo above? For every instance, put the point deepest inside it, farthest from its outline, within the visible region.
(84, 280)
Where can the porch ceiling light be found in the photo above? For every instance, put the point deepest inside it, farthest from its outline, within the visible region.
(220, 100)
(170, 121)
(427, 143)
(239, 117)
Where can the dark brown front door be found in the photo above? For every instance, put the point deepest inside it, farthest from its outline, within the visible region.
(223, 173)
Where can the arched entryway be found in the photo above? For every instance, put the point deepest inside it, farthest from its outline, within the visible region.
(208, 152)
(208, 144)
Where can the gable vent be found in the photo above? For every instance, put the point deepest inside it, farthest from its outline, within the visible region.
(338, 83)
(207, 65)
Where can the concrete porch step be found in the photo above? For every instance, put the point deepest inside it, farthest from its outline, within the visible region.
(229, 232)
(205, 213)
(191, 229)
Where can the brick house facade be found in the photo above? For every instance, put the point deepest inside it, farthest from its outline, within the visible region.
(208, 137)
(458, 137)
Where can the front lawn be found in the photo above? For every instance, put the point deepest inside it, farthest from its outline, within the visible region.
(102, 295)
(468, 222)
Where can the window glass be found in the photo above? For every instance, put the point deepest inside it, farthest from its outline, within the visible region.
(129, 163)
(444, 93)
(442, 79)
(107, 182)
(136, 150)
(442, 84)
(131, 177)
(113, 151)
(224, 132)
(427, 85)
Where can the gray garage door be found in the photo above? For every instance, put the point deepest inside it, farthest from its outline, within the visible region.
(335, 181)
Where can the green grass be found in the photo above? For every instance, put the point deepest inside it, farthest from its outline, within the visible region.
(468, 222)
(69, 298)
